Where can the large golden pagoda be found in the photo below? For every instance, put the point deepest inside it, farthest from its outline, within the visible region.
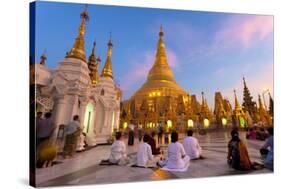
(160, 80)
(160, 99)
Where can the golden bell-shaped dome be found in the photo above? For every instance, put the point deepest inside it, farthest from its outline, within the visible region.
(160, 80)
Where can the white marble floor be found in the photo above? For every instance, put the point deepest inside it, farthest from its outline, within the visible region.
(84, 168)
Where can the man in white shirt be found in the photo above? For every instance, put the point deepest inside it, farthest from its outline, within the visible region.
(191, 146)
(144, 153)
(177, 158)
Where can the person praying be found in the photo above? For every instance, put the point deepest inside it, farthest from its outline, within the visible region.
(118, 150)
(144, 153)
(177, 158)
(238, 157)
(191, 146)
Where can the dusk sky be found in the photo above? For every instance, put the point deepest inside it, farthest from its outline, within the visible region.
(207, 51)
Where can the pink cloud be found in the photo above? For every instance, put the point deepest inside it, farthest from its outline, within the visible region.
(244, 30)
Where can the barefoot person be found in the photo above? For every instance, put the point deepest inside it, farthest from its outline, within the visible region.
(177, 159)
(144, 153)
(191, 146)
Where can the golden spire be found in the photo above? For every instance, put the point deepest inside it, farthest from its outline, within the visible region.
(93, 65)
(261, 106)
(237, 105)
(43, 59)
(161, 69)
(160, 79)
(107, 69)
(78, 50)
(203, 99)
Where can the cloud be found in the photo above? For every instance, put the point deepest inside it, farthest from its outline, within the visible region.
(244, 30)
(234, 33)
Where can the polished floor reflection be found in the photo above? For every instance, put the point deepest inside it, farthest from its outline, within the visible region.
(84, 168)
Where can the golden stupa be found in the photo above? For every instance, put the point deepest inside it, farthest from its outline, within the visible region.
(160, 99)
(160, 80)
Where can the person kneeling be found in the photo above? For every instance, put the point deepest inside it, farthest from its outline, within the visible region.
(177, 159)
(144, 153)
(191, 146)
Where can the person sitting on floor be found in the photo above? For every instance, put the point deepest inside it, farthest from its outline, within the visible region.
(144, 153)
(252, 134)
(118, 150)
(177, 158)
(152, 143)
(238, 157)
(267, 150)
(191, 146)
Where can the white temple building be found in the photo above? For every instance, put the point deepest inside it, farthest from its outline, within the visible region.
(76, 88)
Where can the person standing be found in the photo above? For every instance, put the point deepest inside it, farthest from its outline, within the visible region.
(160, 133)
(131, 136)
(72, 132)
(191, 146)
(140, 132)
(45, 128)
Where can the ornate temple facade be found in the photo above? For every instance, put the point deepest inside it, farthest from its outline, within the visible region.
(160, 100)
(76, 88)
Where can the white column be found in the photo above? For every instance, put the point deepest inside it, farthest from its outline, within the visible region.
(82, 111)
(58, 113)
(117, 119)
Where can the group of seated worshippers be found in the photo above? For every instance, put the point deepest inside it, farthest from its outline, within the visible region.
(178, 155)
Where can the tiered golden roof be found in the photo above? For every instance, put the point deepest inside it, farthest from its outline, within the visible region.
(78, 49)
(107, 69)
(160, 80)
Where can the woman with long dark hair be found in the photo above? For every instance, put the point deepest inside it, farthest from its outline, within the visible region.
(238, 157)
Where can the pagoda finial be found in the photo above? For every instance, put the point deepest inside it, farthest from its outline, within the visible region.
(261, 105)
(161, 33)
(244, 82)
(107, 69)
(78, 49)
(237, 105)
(43, 58)
(203, 101)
